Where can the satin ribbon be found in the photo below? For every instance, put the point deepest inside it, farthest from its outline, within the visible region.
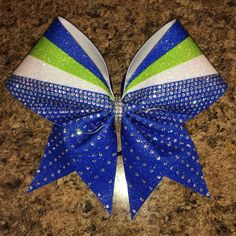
(65, 80)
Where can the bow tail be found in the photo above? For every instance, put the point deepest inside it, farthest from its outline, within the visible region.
(95, 158)
(86, 149)
(142, 173)
(183, 166)
(152, 151)
(56, 161)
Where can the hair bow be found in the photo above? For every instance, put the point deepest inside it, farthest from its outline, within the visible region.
(169, 81)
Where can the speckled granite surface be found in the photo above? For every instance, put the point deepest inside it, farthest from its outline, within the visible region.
(118, 29)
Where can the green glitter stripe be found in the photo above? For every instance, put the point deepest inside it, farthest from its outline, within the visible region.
(184, 51)
(46, 51)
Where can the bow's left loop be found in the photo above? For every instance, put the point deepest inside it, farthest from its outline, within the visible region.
(64, 79)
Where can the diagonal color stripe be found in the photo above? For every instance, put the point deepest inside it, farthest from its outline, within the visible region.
(196, 67)
(36, 69)
(59, 35)
(174, 35)
(88, 47)
(51, 54)
(145, 50)
(183, 52)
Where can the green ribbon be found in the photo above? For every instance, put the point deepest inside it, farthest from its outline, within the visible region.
(46, 51)
(184, 51)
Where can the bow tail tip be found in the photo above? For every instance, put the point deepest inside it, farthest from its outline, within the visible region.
(138, 197)
(34, 186)
(198, 185)
(38, 183)
(44, 176)
(106, 199)
(102, 186)
(203, 190)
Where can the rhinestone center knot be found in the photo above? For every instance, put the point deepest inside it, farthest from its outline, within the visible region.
(118, 109)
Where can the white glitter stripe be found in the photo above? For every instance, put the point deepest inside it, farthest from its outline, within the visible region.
(88, 47)
(34, 68)
(145, 49)
(197, 67)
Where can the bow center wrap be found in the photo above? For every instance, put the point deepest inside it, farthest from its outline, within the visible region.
(118, 109)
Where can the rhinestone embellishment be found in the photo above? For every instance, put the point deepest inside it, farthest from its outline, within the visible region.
(118, 109)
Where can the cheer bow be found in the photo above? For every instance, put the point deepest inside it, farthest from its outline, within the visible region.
(169, 81)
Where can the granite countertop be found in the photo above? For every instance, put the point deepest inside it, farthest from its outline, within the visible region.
(118, 29)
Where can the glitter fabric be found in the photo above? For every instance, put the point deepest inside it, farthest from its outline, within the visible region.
(66, 82)
(174, 35)
(58, 34)
(154, 138)
(184, 51)
(47, 52)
